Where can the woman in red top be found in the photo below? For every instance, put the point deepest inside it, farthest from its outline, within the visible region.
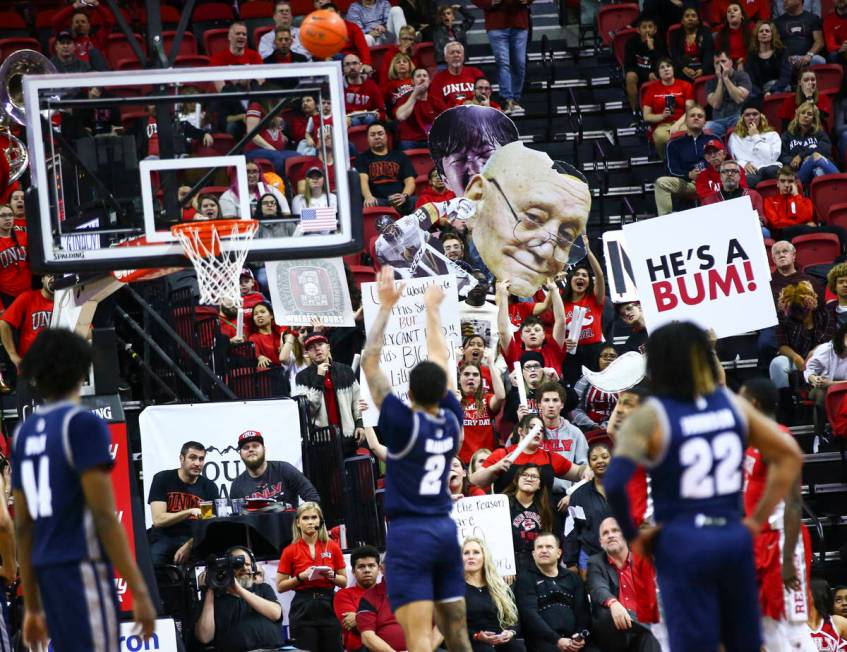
(581, 290)
(312, 566)
(664, 103)
(398, 83)
(480, 407)
(734, 35)
(405, 45)
(267, 336)
(497, 467)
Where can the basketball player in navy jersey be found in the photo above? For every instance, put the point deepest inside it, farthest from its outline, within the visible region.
(423, 557)
(691, 436)
(65, 510)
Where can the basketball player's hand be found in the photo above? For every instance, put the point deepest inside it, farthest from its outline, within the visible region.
(389, 293)
(563, 503)
(790, 579)
(620, 616)
(643, 544)
(753, 526)
(35, 630)
(144, 615)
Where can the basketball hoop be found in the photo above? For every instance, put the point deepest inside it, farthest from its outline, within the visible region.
(218, 268)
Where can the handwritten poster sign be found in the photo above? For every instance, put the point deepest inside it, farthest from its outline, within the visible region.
(302, 290)
(488, 518)
(405, 334)
(707, 265)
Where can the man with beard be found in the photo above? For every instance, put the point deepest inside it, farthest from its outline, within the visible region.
(175, 496)
(279, 481)
(243, 617)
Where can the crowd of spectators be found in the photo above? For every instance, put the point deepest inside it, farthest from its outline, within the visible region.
(577, 584)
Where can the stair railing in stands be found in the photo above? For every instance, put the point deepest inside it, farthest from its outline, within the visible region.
(573, 118)
(628, 210)
(601, 174)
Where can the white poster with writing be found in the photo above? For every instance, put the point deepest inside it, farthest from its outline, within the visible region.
(164, 429)
(707, 265)
(404, 344)
(488, 518)
(303, 290)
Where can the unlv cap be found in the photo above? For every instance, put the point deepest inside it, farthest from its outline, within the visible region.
(249, 436)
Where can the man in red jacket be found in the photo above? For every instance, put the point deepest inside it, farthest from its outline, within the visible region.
(790, 214)
(709, 180)
(507, 24)
(835, 32)
(455, 85)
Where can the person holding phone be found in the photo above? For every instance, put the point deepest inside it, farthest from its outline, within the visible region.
(664, 103)
(312, 566)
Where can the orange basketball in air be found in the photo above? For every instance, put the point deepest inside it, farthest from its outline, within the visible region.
(323, 33)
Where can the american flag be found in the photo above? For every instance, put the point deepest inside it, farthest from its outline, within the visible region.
(314, 220)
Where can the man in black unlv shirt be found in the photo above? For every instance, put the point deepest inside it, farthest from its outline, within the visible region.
(175, 497)
(279, 481)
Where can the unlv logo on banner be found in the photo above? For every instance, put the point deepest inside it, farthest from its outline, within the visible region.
(619, 277)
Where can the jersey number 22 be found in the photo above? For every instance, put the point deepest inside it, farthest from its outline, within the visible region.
(711, 469)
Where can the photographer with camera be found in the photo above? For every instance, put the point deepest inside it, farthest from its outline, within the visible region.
(312, 566)
(552, 602)
(237, 614)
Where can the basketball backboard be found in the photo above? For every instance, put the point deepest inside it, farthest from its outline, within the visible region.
(113, 169)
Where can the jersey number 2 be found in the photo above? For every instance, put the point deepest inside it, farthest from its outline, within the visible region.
(39, 497)
(699, 457)
(431, 482)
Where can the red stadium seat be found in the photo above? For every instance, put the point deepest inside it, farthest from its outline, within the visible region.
(358, 137)
(128, 64)
(118, 47)
(829, 76)
(303, 7)
(421, 160)
(170, 15)
(223, 143)
(213, 11)
(612, 19)
(130, 115)
(187, 46)
(377, 55)
(12, 24)
(352, 259)
(835, 396)
(826, 191)
(215, 40)
(700, 89)
(15, 43)
(421, 182)
(369, 216)
(191, 61)
(767, 188)
(771, 106)
(264, 165)
(259, 32)
(295, 167)
(362, 274)
(837, 215)
(213, 190)
(673, 28)
(816, 249)
(256, 9)
(621, 39)
(768, 246)
(424, 54)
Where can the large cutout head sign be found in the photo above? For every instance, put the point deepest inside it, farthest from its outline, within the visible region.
(524, 212)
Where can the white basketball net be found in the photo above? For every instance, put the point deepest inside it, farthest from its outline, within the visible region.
(218, 276)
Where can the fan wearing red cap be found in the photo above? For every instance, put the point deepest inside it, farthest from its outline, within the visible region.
(709, 180)
(250, 296)
(332, 390)
(275, 480)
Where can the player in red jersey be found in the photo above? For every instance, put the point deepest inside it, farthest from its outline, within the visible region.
(827, 631)
(779, 551)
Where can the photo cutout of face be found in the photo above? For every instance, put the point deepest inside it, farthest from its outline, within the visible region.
(530, 215)
(463, 138)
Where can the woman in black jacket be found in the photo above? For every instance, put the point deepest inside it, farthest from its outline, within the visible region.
(692, 48)
(491, 611)
(530, 510)
(806, 146)
(588, 508)
(767, 64)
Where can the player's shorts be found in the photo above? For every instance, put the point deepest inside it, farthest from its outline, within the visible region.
(5, 638)
(767, 552)
(423, 561)
(708, 586)
(81, 606)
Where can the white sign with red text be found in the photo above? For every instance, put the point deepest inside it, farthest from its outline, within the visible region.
(707, 265)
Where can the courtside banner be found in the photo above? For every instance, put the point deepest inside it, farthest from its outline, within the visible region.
(164, 429)
(707, 265)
